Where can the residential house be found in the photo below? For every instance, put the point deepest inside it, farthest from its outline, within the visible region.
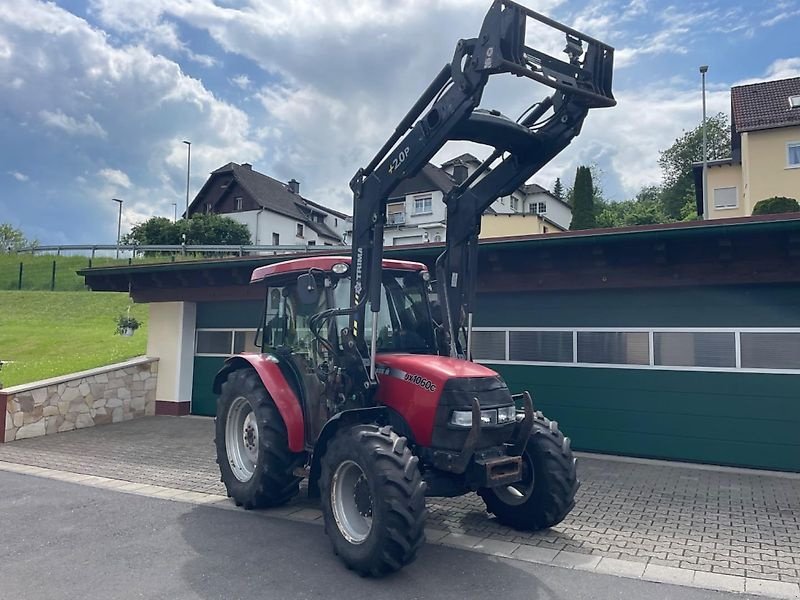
(275, 212)
(530, 209)
(765, 143)
(416, 212)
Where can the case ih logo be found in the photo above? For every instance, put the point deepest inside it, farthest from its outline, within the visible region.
(425, 384)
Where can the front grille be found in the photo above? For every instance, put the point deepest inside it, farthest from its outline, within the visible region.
(457, 394)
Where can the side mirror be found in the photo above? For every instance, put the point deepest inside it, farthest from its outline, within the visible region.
(307, 290)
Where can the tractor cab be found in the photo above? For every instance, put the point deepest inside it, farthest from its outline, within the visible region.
(305, 327)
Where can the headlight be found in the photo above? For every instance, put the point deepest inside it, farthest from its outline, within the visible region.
(493, 416)
(506, 414)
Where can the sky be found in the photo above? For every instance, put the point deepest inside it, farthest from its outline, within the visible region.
(97, 96)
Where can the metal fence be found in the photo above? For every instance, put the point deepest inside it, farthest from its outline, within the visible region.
(54, 268)
(134, 250)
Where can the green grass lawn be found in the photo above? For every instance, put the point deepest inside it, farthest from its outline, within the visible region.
(55, 333)
(37, 271)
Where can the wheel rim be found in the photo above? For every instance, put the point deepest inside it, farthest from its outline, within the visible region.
(241, 439)
(519, 492)
(352, 502)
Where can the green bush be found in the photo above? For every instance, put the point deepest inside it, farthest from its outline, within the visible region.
(776, 205)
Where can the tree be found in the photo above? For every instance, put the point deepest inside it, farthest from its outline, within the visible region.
(215, 230)
(676, 161)
(208, 230)
(13, 239)
(776, 205)
(155, 231)
(644, 209)
(583, 215)
(558, 189)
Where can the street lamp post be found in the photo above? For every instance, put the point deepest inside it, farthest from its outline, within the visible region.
(703, 71)
(119, 222)
(174, 212)
(188, 172)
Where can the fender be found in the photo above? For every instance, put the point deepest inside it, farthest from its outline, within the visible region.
(356, 415)
(277, 387)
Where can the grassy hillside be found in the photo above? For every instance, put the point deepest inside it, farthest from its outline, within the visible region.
(37, 271)
(55, 333)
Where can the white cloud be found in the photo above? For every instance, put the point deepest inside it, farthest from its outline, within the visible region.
(86, 126)
(120, 103)
(242, 81)
(115, 177)
(5, 49)
(784, 68)
(19, 176)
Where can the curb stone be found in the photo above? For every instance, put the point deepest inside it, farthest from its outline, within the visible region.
(504, 550)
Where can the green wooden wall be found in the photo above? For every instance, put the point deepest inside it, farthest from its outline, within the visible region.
(741, 419)
(722, 306)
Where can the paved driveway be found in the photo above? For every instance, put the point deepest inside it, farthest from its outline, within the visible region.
(713, 521)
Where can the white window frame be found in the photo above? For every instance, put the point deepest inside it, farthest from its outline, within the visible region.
(514, 203)
(789, 146)
(426, 199)
(794, 101)
(300, 230)
(239, 202)
(736, 195)
(542, 208)
(651, 332)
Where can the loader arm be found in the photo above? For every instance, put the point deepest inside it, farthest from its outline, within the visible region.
(447, 111)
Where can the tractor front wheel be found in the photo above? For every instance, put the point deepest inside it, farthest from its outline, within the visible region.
(373, 499)
(546, 492)
(253, 453)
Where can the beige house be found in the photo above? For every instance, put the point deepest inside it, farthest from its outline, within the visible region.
(495, 225)
(765, 142)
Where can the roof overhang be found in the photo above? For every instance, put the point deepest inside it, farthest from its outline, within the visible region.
(324, 263)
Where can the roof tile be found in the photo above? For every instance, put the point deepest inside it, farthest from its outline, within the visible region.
(765, 105)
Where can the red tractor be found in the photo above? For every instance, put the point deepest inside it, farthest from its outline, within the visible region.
(380, 412)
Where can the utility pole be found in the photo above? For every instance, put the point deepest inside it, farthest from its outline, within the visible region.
(703, 71)
(188, 173)
(119, 222)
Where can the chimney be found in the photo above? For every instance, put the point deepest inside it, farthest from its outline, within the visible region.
(247, 166)
(460, 173)
(294, 186)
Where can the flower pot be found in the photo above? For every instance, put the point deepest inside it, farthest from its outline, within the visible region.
(127, 331)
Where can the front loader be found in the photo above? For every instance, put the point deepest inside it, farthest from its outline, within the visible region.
(379, 411)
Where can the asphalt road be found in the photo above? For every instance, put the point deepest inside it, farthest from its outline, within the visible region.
(62, 540)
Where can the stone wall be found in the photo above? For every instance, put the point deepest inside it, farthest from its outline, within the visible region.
(105, 395)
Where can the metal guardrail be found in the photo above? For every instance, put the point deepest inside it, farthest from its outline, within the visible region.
(175, 249)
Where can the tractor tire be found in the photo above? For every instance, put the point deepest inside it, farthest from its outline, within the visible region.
(546, 493)
(253, 453)
(373, 499)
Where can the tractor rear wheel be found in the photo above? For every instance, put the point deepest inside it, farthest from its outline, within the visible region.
(253, 453)
(373, 499)
(546, 492)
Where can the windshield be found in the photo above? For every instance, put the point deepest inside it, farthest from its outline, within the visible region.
(404, 323)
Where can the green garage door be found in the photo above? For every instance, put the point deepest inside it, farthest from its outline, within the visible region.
(696, 374)
(222, 329)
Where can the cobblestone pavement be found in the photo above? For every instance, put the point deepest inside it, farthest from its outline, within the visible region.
(707, 520)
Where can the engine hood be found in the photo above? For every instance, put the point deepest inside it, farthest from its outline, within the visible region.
(434, 369)
(424, 389)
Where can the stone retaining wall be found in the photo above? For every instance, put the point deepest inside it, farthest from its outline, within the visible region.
(108, 394)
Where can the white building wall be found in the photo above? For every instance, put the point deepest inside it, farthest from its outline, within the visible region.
(419, 228)
(170, 338)
(556, 211)
(263, 223)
